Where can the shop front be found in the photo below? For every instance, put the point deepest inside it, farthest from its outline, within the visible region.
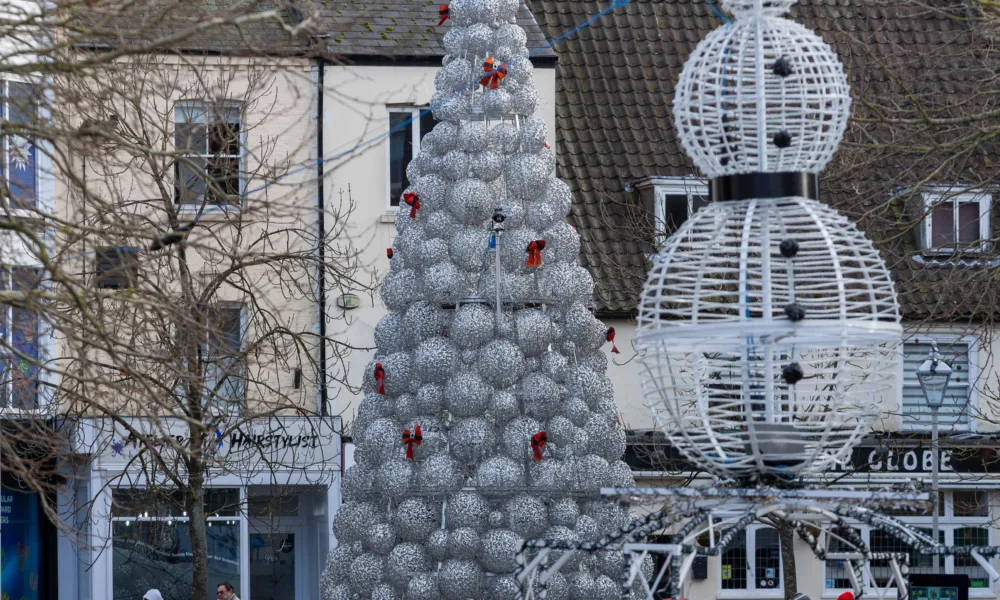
(269, 504)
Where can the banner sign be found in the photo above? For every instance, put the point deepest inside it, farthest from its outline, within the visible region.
(266, 443)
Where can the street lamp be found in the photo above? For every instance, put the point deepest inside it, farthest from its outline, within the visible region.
(933, 376)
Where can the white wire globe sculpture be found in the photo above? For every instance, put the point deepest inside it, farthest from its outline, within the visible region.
(768, 324)
(793, 122)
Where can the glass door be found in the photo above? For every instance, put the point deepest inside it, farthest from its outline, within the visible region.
(275, 569)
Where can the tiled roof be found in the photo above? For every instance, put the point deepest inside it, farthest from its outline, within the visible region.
(398, 29)
(615, 85)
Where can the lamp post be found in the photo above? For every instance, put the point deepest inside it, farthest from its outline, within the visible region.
(933, 376)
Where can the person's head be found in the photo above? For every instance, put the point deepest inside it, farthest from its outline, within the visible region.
(225, 590)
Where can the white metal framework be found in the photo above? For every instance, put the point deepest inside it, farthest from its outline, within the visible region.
(754, 81)
(725, 313)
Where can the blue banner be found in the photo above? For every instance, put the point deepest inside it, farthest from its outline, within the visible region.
(20, 545)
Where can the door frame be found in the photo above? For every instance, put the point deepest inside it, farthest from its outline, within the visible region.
(283, 525)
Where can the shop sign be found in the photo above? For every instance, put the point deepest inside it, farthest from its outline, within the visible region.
(888, 458)
(267, 443)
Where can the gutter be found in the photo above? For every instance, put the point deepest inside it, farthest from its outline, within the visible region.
(321, 210)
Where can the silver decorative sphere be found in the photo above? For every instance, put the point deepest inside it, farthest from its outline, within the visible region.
(496, 520)
(437, 544)
(564, 282)
(443, 282)
(498, 551)
(526, 516)
(337, 592)
(415, 518)
(467, 394)
(524, 101)
(581, 586)
(500, 475)
(516, 438)
(436, 358)
(551, 475)
(399, 289)
(463, 543)
(563, 242)
(587, 529)
(475, 136)
(467, 509)
(404, 562)
(390, 334)
(606, 589)
(439, 224)
(380, 440)
(472, 326)
(439, 473)
(541, 396)
(461, 12)
(380, 538)
(471, 440)
(385, 591)
(621, 475)
(504, 406)
(356, 483)
(455, 165)
(422, 321)
(497, 103)
(607, 439)
(460, 579)
(470, 201)
(429, 399)
(399, 373)
(510, 35)
(455, 41)
(366, 572)
(557, 588)
(504, 587)
(486, 165)
(564, 511)
(505, 138)
(423, 586)
(406, 408)
(338, 563)
(576, 410)
(433, 192)
(393, 477)
(451, 78)
(513, 246)
(501, 363)
(468, 248)
(525, 175)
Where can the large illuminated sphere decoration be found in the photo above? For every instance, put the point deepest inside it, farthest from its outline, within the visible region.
(768, 323)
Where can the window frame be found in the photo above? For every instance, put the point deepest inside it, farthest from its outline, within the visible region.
(415, 138)
(948, 523)
(44, 349)
(127, 268)
(934, 195)
(943, 338)
(751, 591)
(202, 206)
(36, 201)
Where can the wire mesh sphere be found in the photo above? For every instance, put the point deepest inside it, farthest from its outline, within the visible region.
(766, 328)
(761, 95)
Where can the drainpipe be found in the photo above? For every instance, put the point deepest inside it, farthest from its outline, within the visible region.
(321, 209)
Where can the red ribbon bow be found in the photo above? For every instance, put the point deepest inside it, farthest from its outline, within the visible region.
(494, 73)
(388, 252)
(444, 12)
(410, 439)
(611, 338)
(413, 200)
(379, 379)
(848, 595)
(537, 441)
(534, 251)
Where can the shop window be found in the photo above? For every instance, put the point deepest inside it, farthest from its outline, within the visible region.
(966, 565)
(954, 414)
(208, 138)
(837, 570)
(407, 126)
(971, 503)
(20, 327)
(19, 167)
(151, 546)
(752, 561)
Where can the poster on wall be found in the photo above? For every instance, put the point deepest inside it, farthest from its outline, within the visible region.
(20, 544)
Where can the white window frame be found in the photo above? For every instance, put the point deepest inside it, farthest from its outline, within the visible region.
(208, 207)
(217, 408)
(414, 112)
(943, 338)
(673, 186)
(751, 591)
(934, 195)
(947, 523)
(46, 345)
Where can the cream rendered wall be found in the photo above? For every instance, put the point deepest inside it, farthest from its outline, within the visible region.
(282, 123)
(356, 100)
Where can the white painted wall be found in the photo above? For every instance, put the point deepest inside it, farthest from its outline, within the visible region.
(356, 116)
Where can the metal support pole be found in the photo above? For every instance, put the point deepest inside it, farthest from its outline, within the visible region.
(934, 483)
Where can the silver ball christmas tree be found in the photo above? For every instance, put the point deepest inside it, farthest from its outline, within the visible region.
(488, 418)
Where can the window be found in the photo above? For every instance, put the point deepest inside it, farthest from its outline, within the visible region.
(954, 413)
(117, 267)
(19, 166)
(671, 200)
(837, 576)
(209, 140)
(407, 126)
(956, 221)
(752, 561)
(21, 329)
(151, 545)
(964, 521)
(222, 355)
